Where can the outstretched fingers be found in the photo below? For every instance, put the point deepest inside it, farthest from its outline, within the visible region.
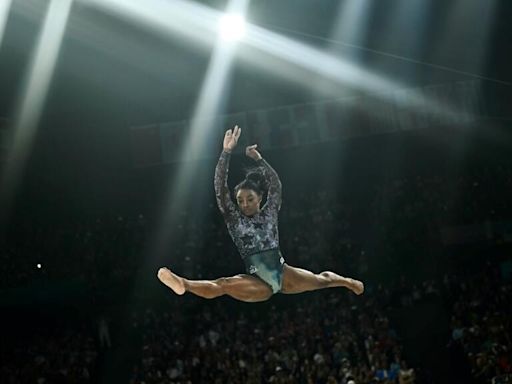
(231, 138)
(237, 132)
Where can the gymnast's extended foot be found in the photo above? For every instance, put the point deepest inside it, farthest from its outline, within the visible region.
(172, 280)
(355, 286)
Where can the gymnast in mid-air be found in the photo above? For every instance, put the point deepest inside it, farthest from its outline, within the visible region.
(254, 230)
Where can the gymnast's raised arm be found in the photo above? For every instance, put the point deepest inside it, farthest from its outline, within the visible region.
(224, 202)
(274, 184)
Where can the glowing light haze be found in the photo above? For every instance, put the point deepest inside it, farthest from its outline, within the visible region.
(5, 5)
(232, 27)
(33, 95)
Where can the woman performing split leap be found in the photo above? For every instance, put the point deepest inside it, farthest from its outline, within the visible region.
(254, 231)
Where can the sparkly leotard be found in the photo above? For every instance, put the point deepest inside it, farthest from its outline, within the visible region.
(256, 233)
(256, 237)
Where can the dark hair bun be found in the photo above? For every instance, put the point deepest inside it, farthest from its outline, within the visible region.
(255, 177)
(259, 179)
(255, 180)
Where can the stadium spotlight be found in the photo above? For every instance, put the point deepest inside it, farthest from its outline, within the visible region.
(232, 27)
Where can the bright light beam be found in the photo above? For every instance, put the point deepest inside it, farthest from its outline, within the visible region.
(342, 72)
(5, 5)
(33, 96)
(351, 23)
(211, 99)
(193, 21)
(200, 24)
(213, 91)
(406, 15)
(232, 27)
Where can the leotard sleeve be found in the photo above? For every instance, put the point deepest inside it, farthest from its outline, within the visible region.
(224, 202)
(274, 186)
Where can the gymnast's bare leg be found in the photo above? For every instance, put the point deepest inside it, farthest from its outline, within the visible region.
(241, 287)
(251, 289)
(297, 280)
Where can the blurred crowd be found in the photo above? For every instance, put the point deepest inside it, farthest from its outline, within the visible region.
(106, 246)
(328, 337)
(65, 354)
(325, 338)
(481, 325)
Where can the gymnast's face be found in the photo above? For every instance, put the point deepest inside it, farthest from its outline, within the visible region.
(248, 201)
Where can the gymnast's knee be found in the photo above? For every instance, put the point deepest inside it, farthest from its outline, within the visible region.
(222, 283)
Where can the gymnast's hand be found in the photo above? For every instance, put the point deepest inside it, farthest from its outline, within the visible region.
(231, 138)
(252, 152)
